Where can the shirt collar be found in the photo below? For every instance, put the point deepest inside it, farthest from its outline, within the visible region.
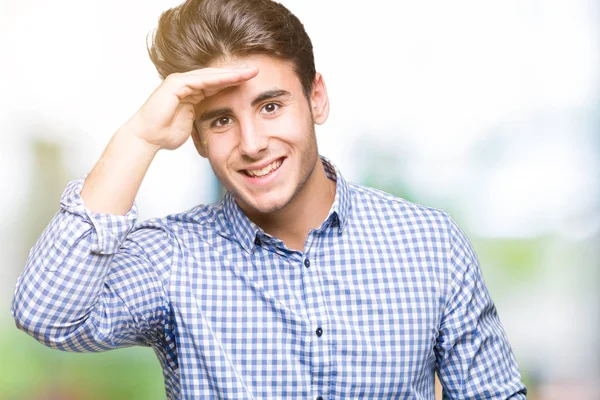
(247, 231)
(341, 203)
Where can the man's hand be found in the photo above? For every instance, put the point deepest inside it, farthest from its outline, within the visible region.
(165, 121)
(166, 118)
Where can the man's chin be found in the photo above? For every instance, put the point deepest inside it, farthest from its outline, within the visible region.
(268, 207)
(262, 205)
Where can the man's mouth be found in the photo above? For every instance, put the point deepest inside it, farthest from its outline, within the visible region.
(265, 171)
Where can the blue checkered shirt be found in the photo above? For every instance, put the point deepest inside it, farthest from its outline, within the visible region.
(385, 293)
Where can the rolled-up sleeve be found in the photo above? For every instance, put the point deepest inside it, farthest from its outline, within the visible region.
(94, 281)
(474, 357)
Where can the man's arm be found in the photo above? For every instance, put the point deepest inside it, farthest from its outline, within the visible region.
(165, 121)
(90, 282)
(474, 357)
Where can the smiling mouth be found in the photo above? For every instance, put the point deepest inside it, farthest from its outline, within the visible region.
(263, 172)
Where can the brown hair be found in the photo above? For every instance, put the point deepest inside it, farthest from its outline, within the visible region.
(198, 32)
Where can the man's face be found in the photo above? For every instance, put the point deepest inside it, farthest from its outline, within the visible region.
(259, 136)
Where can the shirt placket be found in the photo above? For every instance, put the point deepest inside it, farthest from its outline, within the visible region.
(318, 317)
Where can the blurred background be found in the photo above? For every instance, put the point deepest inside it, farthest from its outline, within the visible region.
(488, 110)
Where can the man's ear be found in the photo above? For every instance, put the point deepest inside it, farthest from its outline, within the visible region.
(200, 147)
(319, 101)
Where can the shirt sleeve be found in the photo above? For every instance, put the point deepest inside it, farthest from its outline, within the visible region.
(474, 359)
(92, 281)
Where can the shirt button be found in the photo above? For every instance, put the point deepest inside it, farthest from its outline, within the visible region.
(257, 241)
(320, 398)
(306, 262)
(319, 331)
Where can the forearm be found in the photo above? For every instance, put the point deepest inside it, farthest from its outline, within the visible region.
(113, 183)
(165, 121)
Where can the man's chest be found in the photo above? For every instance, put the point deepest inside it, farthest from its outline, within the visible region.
(350, 323)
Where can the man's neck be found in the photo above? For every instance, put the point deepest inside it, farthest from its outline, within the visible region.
(307, 210)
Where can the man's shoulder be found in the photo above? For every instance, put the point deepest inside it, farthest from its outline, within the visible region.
(203, 219)
(375, 203)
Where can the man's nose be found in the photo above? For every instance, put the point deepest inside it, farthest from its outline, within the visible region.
(252, 140)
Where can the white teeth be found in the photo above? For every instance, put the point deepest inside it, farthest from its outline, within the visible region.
(264, 171)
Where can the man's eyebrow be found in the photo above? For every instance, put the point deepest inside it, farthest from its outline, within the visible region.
(210, 114)
(269, 94)
(266, 95)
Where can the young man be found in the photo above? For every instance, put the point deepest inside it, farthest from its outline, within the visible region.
(297, 284)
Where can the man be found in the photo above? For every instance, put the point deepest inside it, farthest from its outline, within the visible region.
(297, 284)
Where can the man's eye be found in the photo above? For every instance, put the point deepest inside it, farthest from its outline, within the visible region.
(270, 108)
(221, 122)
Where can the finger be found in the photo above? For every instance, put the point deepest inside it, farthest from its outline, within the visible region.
(217, 79)
(194, 99)
(209, 74)
(210, 70)
(209, 84)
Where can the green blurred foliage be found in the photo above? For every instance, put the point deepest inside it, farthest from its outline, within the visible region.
(517, 259)
(31, 371)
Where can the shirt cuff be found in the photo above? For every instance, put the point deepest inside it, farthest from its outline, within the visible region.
(108, 230)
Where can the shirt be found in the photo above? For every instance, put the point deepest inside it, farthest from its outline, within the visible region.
(384, 294)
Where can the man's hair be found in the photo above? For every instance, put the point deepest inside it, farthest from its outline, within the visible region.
(198, 32)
